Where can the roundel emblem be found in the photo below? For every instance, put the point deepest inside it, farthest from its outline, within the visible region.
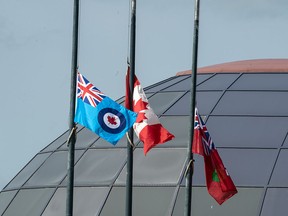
(111, 120)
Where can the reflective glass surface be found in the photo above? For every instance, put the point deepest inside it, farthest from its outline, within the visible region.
(156, 168)
(253, 103)
(245, 202)
(275, 203)
(175, 125)
(5, 199)
(99, 167)
(262, 82)
(186, 84)
(182, 107)
(30, 168)
(162, 85)
(53, 170)
(87, 201)
(57, 143)
(243, 131)
(146, 201)
(249, 167)
(280, 174)
(162, 101)
(218, 82)
(29, 202)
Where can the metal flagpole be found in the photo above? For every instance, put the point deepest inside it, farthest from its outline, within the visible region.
(72, 127)
(129, 174)
(190, 160)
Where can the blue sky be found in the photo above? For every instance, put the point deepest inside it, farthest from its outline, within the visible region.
(35, 55)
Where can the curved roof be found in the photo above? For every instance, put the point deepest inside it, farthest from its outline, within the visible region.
(247, 117)
(245, 66)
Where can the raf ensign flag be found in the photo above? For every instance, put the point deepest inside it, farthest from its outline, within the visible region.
(219, 183)
(147, 126)
(101, 114)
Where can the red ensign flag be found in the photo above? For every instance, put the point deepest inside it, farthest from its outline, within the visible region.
(219, 183)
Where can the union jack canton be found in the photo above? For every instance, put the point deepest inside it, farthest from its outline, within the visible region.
(88, 92)
(207, 142)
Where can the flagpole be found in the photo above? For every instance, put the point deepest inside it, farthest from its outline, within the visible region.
(129, 174)
(190, 159)
(72, 127)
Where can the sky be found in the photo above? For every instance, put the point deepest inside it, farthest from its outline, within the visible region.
(36, 53)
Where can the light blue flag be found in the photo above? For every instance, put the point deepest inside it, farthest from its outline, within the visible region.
(100, 113)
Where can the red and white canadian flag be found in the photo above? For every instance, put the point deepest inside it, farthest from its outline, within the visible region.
(147, 126)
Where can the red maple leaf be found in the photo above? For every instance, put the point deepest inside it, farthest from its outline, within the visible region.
(112, 120)
(140, 117)
(140, 105)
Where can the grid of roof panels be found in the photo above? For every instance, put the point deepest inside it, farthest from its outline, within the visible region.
(247, 117)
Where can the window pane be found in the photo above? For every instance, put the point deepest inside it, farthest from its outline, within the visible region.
(58, 142)
(164, 84)
(85, 138)
(162, 101)
(146, 201)
(205, 103)
(275, 203)
(231, 131)
(245, 202)
(101, 143)
(175, 125)
(87, 201)
(99, 167)
(243, 171)
(156, 168)
(253, 103)
(5, 199)
(218, 82)
(261, 82)
(53, 170)
(24, 174)
(186, 84)
(29, 202)
(280, 174)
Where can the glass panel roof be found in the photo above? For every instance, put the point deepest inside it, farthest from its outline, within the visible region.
(162, 101)
(162, 85)
(101, 143)
(30, 168)
(248, 125)
(275, 203)
(262, 82)
(186, 84)
(175, 125)
(285, 144)
(146, 201)
(156, 168)
(5, 199)
(99, 167)
(218, 82)
(243, 171)
(245, 202)
(182, 107)
(58, 142)
(87, 201)
(280, 174)
(232, 131)
(53, 170)
(239, 166)
(253, 103)
(29, 202)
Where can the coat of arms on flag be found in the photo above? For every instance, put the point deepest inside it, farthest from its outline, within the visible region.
(219, 183)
